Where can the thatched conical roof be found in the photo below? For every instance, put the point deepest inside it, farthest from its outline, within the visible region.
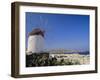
(37, 31)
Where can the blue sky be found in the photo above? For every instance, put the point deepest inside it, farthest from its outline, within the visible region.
(64, 31)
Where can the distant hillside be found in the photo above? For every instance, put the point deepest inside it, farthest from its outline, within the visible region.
(63, 51)
(60, 51)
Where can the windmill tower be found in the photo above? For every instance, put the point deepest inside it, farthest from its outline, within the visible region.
(35, 41)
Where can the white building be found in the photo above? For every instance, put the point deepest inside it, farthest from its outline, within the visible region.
(35, 41)
(73, 57)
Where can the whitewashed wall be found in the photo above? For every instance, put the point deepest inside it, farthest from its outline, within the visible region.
(35, 44)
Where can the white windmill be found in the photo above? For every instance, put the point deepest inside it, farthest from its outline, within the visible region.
(36, 40)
